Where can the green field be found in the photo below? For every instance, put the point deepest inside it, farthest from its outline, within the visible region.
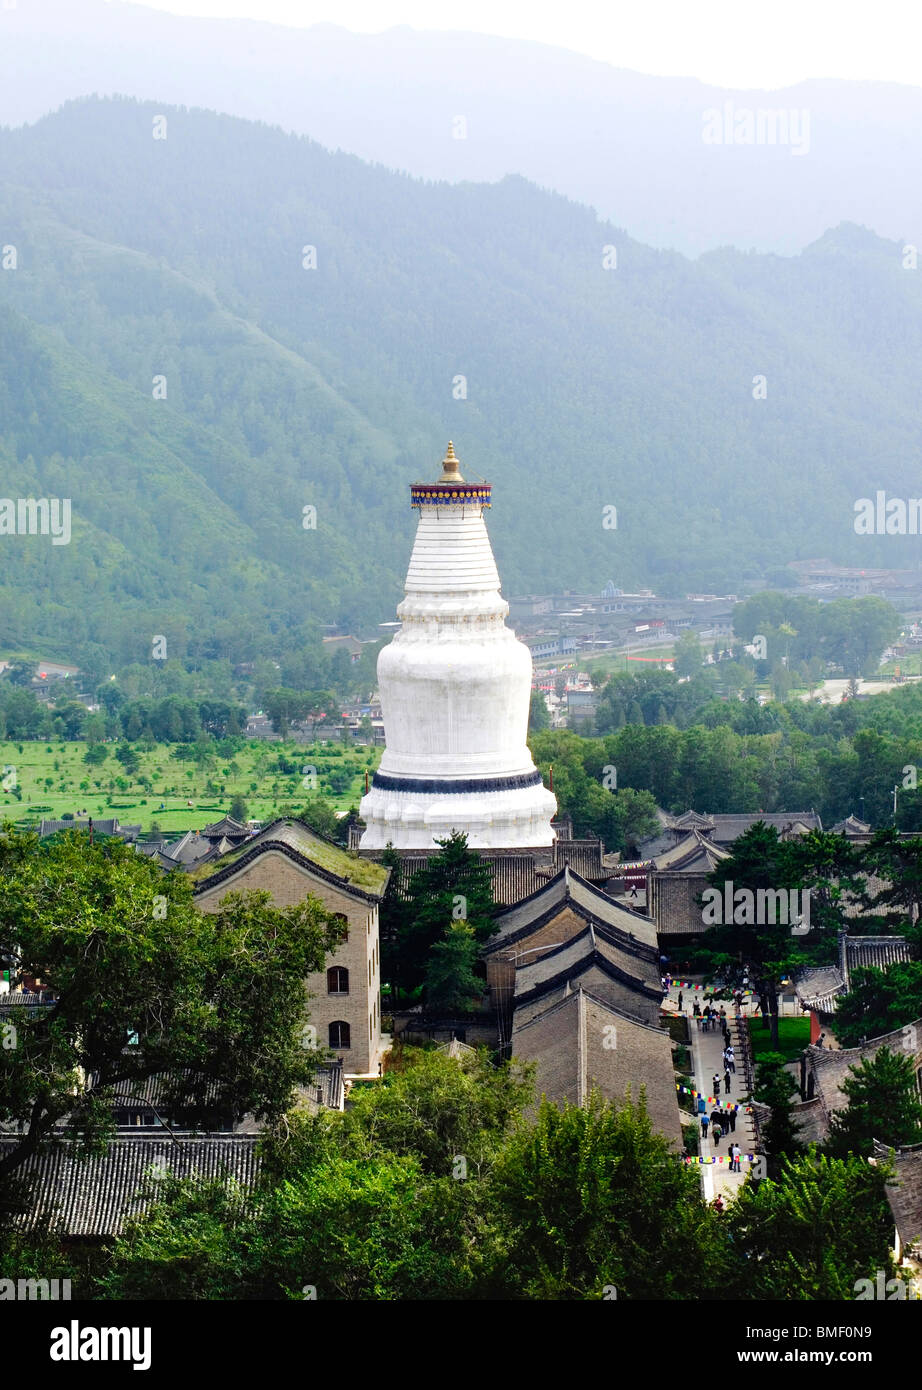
(54, 778)
(793, 1037)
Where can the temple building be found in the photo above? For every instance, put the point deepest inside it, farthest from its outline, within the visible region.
(290, 861)
(455, 685)
(574, 981)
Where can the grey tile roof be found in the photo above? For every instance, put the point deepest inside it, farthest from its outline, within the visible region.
(904, 1193)
(851, 826)
(580, 1043)
(568, 888)
(695, 853)
(728, 828)
(723, 828)
(93, 1196)
(874, 952)
(628, 983)
(190, 848)
(584, 857)
(818, 987)
(100, 827)
(226, 827)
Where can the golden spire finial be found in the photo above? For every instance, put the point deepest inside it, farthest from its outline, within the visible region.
(450, 470)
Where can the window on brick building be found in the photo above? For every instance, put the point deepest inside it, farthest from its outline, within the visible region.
(337, 980)
(340, 1034)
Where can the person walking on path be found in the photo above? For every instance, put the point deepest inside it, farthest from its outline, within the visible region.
(705, 1120)
(716, 1132)
(715, 1082)
(734, 1158)
(727, 1081)
(731, 1116)
(696, 1009)
(731, 1060)
(680, 1001)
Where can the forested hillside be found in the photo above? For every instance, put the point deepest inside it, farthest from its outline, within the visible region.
(627, 143)
(182, 258)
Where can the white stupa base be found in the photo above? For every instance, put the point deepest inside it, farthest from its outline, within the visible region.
(516, 819)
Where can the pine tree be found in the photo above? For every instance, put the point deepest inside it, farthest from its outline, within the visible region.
(776, 1088)
(882, 1104)
(451, 983)
(455, 885)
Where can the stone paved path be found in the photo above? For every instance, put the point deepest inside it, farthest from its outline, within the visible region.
(707, 1058)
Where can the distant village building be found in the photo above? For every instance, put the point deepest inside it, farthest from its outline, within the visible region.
(112, 826)
(581, 705)
(350, 645)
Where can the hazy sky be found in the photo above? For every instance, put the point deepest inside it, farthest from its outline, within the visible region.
(729, 42)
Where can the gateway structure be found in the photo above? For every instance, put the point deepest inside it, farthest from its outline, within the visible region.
(455, 686)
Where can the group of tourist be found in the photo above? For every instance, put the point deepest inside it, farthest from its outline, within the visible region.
(710, 1019)
(721, 1120)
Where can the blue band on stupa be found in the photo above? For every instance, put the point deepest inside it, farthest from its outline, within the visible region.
(453, 785)
(450, 494)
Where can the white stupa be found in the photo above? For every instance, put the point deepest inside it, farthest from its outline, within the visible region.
(455, 685)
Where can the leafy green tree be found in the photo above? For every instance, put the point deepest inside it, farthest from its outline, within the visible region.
(593, 1197)
(319, 814)
(812, 1230)
(688, 655)
(238, 809)
(882, 1104)
(436, 1108)
(128, 957)
(897, 863)
(20, 673)
(346, 1229)
(384, 1201)
(767, 949)
(538, 716)
(128, 758)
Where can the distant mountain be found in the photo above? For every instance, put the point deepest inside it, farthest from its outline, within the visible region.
(183, 258)
(631, 146)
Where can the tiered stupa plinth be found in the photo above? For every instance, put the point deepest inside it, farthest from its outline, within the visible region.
(455, 686)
